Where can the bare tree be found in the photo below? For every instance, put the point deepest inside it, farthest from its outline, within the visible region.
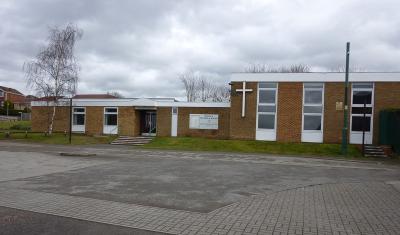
(200, 88)
(189, 81)
(116, 94)
(54, 71)
(221, 94)
(265, 68)
(342, 69)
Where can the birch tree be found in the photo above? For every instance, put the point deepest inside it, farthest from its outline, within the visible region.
(54, 72)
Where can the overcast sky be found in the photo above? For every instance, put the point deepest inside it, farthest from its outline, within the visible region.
(139, 47)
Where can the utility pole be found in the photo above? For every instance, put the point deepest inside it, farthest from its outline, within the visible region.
(346, 107)
(70, 120)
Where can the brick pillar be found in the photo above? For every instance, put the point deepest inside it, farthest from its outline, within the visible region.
(290, 105)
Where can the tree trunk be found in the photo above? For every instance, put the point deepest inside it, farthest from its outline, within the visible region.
(52, 118)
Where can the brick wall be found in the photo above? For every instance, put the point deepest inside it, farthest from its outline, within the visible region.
(126, 121)
(164, 121)
(243, 128)
(333, 119)
(94, 120)
(289, 119)
(137, 123)
(387, 95)
(41, 117)
(183, 122)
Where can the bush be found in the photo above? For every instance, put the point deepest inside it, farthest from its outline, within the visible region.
(21, 127)
(11, 112)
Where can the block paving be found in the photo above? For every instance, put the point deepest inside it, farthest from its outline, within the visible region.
(339, 208)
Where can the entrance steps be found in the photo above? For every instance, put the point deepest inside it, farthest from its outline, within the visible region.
(374, 151)
(132, 140)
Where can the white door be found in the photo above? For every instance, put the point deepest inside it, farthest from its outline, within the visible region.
(313, 112)
(110, 121)
(174, 121)
(266, 111)
(78, 119)
(361, 93)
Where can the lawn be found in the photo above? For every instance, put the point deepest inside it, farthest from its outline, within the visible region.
(17, 130)
(250, 146)
(57, 138)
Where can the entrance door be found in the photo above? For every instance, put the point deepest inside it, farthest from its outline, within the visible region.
(361, 93)
(174, 121)
(148, 123)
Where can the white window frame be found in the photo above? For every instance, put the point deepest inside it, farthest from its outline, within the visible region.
(356, 136)
(78, 128)
(2, 93)
(110, 129)
(315, 136)
(262, 133)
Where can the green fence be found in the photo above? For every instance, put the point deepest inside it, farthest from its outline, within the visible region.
(389, 128)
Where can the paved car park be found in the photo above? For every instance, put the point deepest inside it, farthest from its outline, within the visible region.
(200, 193)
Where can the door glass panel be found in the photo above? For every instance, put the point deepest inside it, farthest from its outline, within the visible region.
(363, 85)
(312, 109)
(360, 110)
(266, 121)
(266, 108)
(111, 110)
(267, 85)
(79, 110)
(359, 121)
(313, 85)
(312, 97)
(79, 119)
(267, 96)
(360, 96)
(312, 122)
(110, 119)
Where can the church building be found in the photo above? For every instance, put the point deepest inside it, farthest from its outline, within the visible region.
(284, 107)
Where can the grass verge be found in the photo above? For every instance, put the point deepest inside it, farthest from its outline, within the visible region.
(250, 146)
(58, 138)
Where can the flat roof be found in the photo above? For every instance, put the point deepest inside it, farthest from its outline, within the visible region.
(316, 77)
(133, 102)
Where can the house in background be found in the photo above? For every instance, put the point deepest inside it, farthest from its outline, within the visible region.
(94, 96)
(283, 107)
(14, 96)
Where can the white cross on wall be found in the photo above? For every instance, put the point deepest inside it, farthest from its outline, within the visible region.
(244, 90)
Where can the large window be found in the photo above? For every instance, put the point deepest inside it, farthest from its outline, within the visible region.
(362, 93)
(110, 116)
(78, 116)
(313, 106)
(1, 93)
(266, 105)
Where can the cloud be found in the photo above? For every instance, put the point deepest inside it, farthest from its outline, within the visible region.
(139, 48)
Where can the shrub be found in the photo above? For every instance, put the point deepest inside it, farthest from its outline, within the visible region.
(20, 127)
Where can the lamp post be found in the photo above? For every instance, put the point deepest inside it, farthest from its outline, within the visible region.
(346, 107)
(70, 120)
